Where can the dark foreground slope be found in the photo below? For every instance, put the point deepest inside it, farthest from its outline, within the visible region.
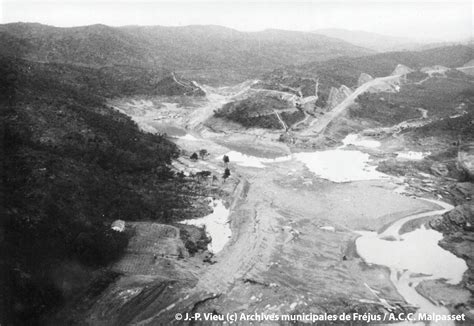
(457, 228)
(70, 166)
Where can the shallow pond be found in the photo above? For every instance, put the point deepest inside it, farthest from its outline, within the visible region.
(340, 165)
(356, 140)
(216, 224)
(412, 258)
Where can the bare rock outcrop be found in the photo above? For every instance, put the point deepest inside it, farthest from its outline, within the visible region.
(470, 63)
(439, 169)
(436, 69)
(401, 70)
(337, 95)
(466, 159)
(364, 78)
(457, 227)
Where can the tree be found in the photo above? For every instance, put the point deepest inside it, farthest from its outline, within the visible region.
(203, 153)
(194, 157)
(167, 216)
(226, 160)
(226, 174)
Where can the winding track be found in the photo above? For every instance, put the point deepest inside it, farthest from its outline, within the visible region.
(319, 125)
(285, 127)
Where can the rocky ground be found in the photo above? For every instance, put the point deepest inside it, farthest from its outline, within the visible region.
(457, 228)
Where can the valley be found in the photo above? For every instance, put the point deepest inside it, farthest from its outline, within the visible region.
(303, 223)
(154, 172)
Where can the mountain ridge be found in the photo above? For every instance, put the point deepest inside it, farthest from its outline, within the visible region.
(387, 43)
(194, 47)
(374, 41)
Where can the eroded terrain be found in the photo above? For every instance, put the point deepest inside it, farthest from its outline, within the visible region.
(296, 215)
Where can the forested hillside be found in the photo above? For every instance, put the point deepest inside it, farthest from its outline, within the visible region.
(200, 52)
(71, 165)
(346, 71)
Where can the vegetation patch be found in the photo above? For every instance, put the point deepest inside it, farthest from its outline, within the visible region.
(71, 166)
(259, 111)
(380, 109)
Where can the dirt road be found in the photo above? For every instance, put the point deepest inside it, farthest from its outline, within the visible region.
(317, 126)
(283, 124)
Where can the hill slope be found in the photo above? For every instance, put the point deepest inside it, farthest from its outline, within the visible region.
(373, 41)
(70, 166)
(189, 48)
(346, 71)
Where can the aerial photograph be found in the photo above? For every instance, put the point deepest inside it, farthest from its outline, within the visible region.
(236, 162)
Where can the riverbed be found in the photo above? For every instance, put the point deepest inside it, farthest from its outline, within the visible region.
(412, 257)
(286, 240)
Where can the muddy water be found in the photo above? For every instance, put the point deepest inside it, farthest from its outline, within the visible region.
(253, 161)
(336, 165)
(216, 225)
(413, 258)
(340, 165)
(357, 140)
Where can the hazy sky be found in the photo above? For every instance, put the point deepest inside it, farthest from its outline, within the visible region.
(421, 19)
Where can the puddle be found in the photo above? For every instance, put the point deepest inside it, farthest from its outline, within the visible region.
(356, 140)
(216, 225)
(253, 161)
(416, 156)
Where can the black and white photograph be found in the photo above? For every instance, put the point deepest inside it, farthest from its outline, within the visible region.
(243, 162)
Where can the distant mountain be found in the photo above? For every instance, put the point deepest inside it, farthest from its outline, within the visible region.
(190, 49)
(383, 64)
(373, 41)
(428, 46)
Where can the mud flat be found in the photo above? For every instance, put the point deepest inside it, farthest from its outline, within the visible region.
(295, 221)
